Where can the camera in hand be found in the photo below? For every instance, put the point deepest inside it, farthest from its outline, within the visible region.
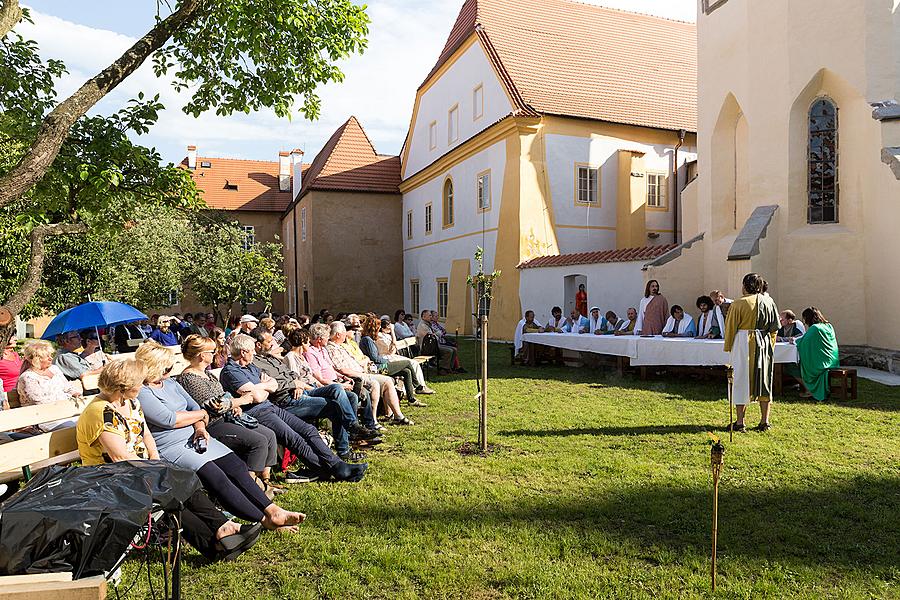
(200, 445)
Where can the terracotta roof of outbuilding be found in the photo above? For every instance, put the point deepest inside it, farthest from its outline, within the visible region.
(601, 256)
(561, 57)
(348, 162)
(256, 181)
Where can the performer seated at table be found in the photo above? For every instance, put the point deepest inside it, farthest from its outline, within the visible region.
(526, 325)
(679, 324)
(598, 324)
(817, 352)
(790, 328)
(707, 325)
(652, 312)
(750, 330)
(576, 323)
(626, 326)
(612, 323)
(720, 310)
(556, 322)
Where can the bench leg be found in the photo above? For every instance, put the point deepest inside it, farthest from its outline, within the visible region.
(779, 380)
(853, 389)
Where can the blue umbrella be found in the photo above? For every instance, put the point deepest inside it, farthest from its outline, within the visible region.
(92, 314)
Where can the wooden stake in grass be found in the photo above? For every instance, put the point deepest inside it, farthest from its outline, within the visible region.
(730, 371)
(482, 416)
(717, 461)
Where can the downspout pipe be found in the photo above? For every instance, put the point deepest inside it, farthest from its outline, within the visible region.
(677, 199)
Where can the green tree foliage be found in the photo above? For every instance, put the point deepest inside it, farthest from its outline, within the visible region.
(225, 274)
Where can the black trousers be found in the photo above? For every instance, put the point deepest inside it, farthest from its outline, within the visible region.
(256, 447)
(296, 435)
(200, 521)
(227, 480)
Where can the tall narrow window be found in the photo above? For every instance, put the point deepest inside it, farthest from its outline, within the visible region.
(249, 236)
(478, 102)
(432, 135)
(453, 124)
(448, 204)
(656, 190)
(587, 185)
(303, 224)
(823, 162)
(409, 225)
(428, 218)
(443, 297)
(414, 296)
(483, 191)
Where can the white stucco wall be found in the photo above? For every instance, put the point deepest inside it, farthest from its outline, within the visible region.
(585, 229)
(427, 257)
(611, 286)
(455, 86)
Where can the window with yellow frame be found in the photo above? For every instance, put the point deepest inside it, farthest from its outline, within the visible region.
(483, 191)
(443, 297)
(447, 204)
(657, 190)
(587, 185)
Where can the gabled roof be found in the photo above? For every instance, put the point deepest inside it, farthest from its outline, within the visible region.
(560, 57)
(348, 162)
(256, 181)
(602, 256)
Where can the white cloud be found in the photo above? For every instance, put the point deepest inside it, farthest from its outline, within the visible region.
(405, 39)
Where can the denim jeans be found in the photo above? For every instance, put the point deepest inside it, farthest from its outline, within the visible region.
(330, 402)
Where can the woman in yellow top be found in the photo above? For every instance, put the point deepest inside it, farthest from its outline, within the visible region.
(750, 330)
(112, 429)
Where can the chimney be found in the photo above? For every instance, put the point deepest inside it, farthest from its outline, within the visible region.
(284, 171)
(297, 167)
(192, 157)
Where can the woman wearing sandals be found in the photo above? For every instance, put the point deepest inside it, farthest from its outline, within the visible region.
(112, 429)
(178, 425)
(254, 443)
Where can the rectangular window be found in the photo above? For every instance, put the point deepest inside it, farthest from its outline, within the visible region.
(483, 191)
(428, 219)
(656, 190)
(453, 124)
(478, 102)
(173, 298)
(587, 185)
(303, 224)
(414, 297)
(432, 135)
(409, 225)
(443, 297)
(249, 236)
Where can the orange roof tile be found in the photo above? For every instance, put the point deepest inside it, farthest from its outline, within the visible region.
(256, 181)
(561, 57)
(348, 162)
(602, 256)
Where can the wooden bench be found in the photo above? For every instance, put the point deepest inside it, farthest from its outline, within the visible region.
(403, 347)
(51, 586)
(844, 380)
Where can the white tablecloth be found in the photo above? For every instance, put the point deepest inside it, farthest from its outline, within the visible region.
(655, 351)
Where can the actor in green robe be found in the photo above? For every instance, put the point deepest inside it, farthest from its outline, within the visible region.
(817, 351)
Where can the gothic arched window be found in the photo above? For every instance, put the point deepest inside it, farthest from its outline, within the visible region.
(823, 162)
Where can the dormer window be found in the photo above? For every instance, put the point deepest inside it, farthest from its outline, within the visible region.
(205, 164)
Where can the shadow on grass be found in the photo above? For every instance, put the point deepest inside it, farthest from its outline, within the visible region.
(853, 523)
(639, 430)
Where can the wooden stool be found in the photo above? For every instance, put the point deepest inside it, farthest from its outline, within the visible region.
(845, 379)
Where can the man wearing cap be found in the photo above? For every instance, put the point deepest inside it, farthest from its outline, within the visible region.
(247, 324)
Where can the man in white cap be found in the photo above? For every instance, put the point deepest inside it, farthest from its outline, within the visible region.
(248, 324)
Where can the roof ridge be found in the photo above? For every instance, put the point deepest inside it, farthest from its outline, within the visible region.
(629, 12)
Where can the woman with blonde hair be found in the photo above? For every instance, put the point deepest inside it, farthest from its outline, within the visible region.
(112, 429)
(178, 425)
(254, 443)
(42, 382)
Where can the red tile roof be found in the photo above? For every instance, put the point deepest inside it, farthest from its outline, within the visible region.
(348, 162)
(256, 181)
(601, 256)
(561, 57)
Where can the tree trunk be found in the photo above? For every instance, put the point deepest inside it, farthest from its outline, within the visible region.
(10, 15)
(55, 128)
(32, 282)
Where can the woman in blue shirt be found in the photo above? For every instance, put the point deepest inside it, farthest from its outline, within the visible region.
(163, 334)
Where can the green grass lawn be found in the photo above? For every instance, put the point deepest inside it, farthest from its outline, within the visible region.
(599, 487)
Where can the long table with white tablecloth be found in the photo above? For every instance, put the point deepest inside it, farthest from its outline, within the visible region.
(652, 351)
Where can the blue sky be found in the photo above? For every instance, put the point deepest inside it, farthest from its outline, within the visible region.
(379, 87)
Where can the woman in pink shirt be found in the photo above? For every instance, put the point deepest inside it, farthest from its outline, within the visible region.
(10, 367)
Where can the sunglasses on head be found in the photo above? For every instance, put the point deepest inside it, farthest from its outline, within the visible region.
(168, 369)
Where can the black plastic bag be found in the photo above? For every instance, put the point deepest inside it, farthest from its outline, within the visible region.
(81, 519)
